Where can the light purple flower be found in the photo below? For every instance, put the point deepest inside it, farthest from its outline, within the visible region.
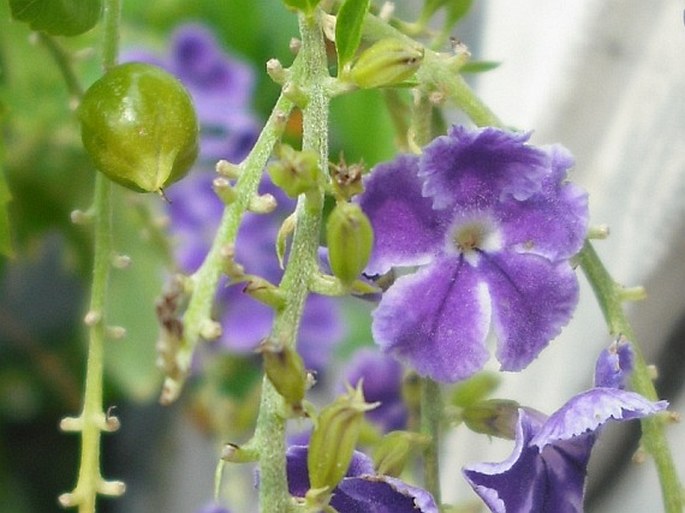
(493, 223)
(381, 378)
(361, 490)
(547, 469)
(221, 87)
(213, 507)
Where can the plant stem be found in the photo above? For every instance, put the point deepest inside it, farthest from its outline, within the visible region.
(431, 417)
(206, 278)
(270, 433)
(654, 439)
(63, 62)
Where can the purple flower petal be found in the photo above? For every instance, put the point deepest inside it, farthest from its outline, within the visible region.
(436, 320)
(614, 365)
(381, 494)
(532, 299)
(475, 168)
(587, 411)
(553, 222)
(381, 378)
(406, 229)
(213, 507)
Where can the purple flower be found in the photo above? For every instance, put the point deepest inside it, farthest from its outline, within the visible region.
(493, 223)
(221, 88)
(546, 472)
(361, 490)
(213, 507)
(381, 378)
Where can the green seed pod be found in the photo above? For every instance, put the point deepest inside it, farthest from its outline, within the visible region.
(285, 369)
(350, 240)
(494, 417)
(295, 172)
(58, 17)
(139, 126)
(334, 438)
(387, 62)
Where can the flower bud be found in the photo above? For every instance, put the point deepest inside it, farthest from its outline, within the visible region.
(393, 451)
(295, 172)
(350, 240)
(333, 440)
(495, 417)
(387, 62)
(474, 389)
(285, 369)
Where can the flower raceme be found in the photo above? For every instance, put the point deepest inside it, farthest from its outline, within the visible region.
(492, 224)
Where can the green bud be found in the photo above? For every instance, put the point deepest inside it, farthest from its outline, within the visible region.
(350, 239)
(295, 172)
(285, 369)
(393, 451)
(387, 62)
(334, 438)
(495, 417)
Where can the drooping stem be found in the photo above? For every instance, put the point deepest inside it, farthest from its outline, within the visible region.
(608, 294)
(431, 417)
(270, 433)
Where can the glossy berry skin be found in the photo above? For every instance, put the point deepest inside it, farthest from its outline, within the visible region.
(139, 126)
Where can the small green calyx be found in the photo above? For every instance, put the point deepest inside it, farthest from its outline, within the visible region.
(139, 126)
(285, 369)
(334, 438)
(296, 172)
(494, 417)
(387, 62)
(392, 452)
(350, 240)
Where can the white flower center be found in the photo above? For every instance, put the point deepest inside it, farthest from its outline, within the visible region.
(473, 235)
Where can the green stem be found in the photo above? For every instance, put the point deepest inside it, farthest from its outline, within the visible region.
(63, 62)
(270, 433)
(431, 417)
(608, 294)
(206, 278)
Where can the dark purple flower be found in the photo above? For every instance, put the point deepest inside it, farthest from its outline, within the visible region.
(546, 472)
(361, 490)
(381, 378)
(493, 223)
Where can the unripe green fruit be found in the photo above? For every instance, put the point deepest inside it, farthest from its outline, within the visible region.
(350, 239)
(139, 126)
(58, 17)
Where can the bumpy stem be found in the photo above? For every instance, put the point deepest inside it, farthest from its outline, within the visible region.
(608, 294)
(93, 419)
(270, 434)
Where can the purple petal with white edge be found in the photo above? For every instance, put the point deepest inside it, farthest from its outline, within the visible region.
(550, 481)
(381, 494)
(475, 168)
(553, 222)
(614, 365)
(436, 320)
(406, 229)
(532, 299)
(587, 411)
(507, 487)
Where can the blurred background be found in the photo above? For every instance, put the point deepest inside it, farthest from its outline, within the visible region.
(606, 79)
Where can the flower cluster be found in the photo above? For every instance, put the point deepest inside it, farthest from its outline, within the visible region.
(221, 88)
(546, 472)
(492, 223)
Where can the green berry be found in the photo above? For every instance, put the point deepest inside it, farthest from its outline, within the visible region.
(350, 239)
(58, 17)
(139, 126)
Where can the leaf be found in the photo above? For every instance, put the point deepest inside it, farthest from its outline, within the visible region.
(348, 29)
(58, 17)
(479, 66)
